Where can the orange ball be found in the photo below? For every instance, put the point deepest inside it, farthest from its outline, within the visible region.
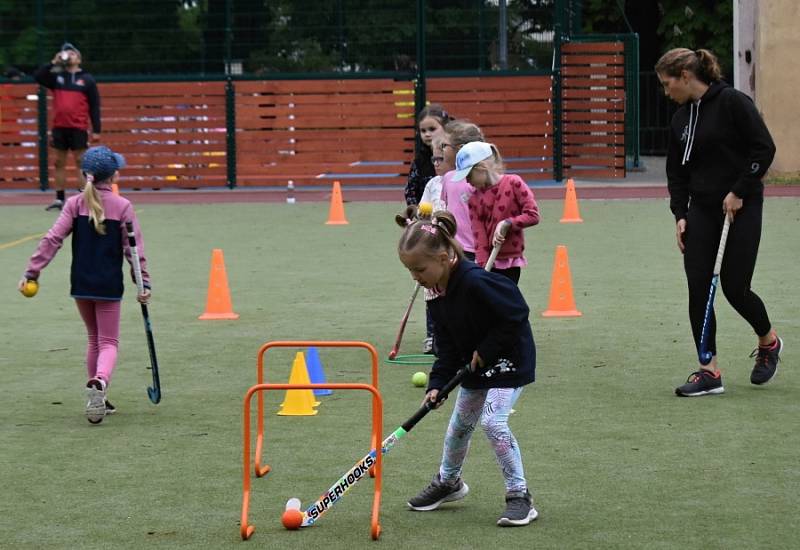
(292, 519)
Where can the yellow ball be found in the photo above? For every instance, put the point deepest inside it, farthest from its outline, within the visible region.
(30, 289)
(419, 379)
(425, 209)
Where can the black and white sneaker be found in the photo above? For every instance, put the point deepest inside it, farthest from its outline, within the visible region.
(427, 345)
(519, 510)
(96, 400)
(57, 204)
(766, 362)
(110, 409)
(701, 382)
(437, 493)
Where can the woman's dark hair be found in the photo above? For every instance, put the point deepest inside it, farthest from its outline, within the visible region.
(702, 63)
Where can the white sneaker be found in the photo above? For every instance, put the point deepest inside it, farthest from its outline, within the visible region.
(427, 345)
(96, 404)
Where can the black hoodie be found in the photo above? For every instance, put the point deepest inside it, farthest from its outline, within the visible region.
(483, 312)
(717, 145)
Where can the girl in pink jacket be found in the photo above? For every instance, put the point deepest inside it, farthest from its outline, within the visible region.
(96, 219)
(499, 199)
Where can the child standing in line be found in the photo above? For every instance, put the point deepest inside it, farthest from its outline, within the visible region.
(430, 122)
(481, 319)
(433, 195)
(456, 193)
(96, 218)
(498, 198)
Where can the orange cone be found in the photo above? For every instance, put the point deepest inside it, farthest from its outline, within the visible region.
(218, 303)
(115, 188)
(336, 216)
(562, 303)
(571, 214)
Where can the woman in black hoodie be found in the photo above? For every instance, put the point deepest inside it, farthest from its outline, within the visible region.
(719, 150)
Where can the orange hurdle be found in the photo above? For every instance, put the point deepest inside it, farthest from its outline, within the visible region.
(376, 441)
(246, 530)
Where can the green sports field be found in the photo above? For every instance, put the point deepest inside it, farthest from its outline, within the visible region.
(613, 458)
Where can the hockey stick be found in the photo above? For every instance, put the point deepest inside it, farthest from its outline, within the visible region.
(396, 347)
(154, 392)
(703, 354)
(361, 468)
(496, 248)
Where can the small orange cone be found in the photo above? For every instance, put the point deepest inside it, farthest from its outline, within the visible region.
(218, 302)
(336, 216)
(562, 303)
(571, 214)
(115, 188)
(298, 402)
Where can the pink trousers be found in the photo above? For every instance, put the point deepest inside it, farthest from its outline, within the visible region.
(101, 318)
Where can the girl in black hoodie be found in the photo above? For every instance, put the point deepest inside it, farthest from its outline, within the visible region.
(719, 150)
(480, 319)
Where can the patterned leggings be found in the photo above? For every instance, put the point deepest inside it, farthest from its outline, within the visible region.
(491, 407)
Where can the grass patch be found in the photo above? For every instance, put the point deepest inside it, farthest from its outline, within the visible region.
(613, 458)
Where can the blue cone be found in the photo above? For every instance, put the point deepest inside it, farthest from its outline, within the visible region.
(315, 371)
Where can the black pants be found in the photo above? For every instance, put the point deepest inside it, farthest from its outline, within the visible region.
(703, 230)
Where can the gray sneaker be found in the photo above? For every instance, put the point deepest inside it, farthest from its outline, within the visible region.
(437, 493)
(96, 404)
(56, 205)
(519, 509)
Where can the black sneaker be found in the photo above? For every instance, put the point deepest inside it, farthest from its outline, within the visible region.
(701, 382)
(766, 362)
(519, 509)
(57, 204)
(110, 409)
(437, 493)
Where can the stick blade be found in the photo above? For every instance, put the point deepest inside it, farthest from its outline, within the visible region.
(154, 394)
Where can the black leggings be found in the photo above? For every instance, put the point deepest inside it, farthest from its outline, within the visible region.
(703, 230)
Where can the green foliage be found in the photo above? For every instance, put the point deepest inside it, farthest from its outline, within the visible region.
(698, 24)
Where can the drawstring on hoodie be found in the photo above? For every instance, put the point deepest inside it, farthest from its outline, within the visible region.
(693, 118)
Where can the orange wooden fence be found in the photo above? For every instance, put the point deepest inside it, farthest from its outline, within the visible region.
(359, 131)
(593, 109)
(515, 113)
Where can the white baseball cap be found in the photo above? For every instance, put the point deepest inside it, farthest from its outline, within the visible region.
(470, 155)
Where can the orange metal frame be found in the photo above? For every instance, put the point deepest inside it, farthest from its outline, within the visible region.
(262, 470)
(246, 529)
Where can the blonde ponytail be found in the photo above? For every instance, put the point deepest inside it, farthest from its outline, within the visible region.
(95, 205)
(497, 160)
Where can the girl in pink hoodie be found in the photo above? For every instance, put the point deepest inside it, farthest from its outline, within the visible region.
(96, 219)
(499, 199)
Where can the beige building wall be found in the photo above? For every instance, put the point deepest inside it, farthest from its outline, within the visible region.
(777, 79)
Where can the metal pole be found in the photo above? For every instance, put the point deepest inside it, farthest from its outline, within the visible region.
(481, 32)
(503, 36)
(228, 36)
(558, 150)
(230, 131)
(41, 104)
(419, 85)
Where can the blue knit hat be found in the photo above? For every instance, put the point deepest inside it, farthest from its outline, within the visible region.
(101, 162)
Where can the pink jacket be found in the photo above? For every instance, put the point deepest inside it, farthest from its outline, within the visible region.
(96, 270)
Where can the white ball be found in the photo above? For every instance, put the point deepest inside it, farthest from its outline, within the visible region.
(293, 504)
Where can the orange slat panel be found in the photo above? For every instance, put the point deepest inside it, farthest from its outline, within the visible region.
(592, 59)
(609, 139)
(571, 93)
(586, 128)
(481, 85)
(593, 47)
(575, 82)
(585, 116)
(592, 150)
(587, 105)
(608, 70)
(577, 173)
